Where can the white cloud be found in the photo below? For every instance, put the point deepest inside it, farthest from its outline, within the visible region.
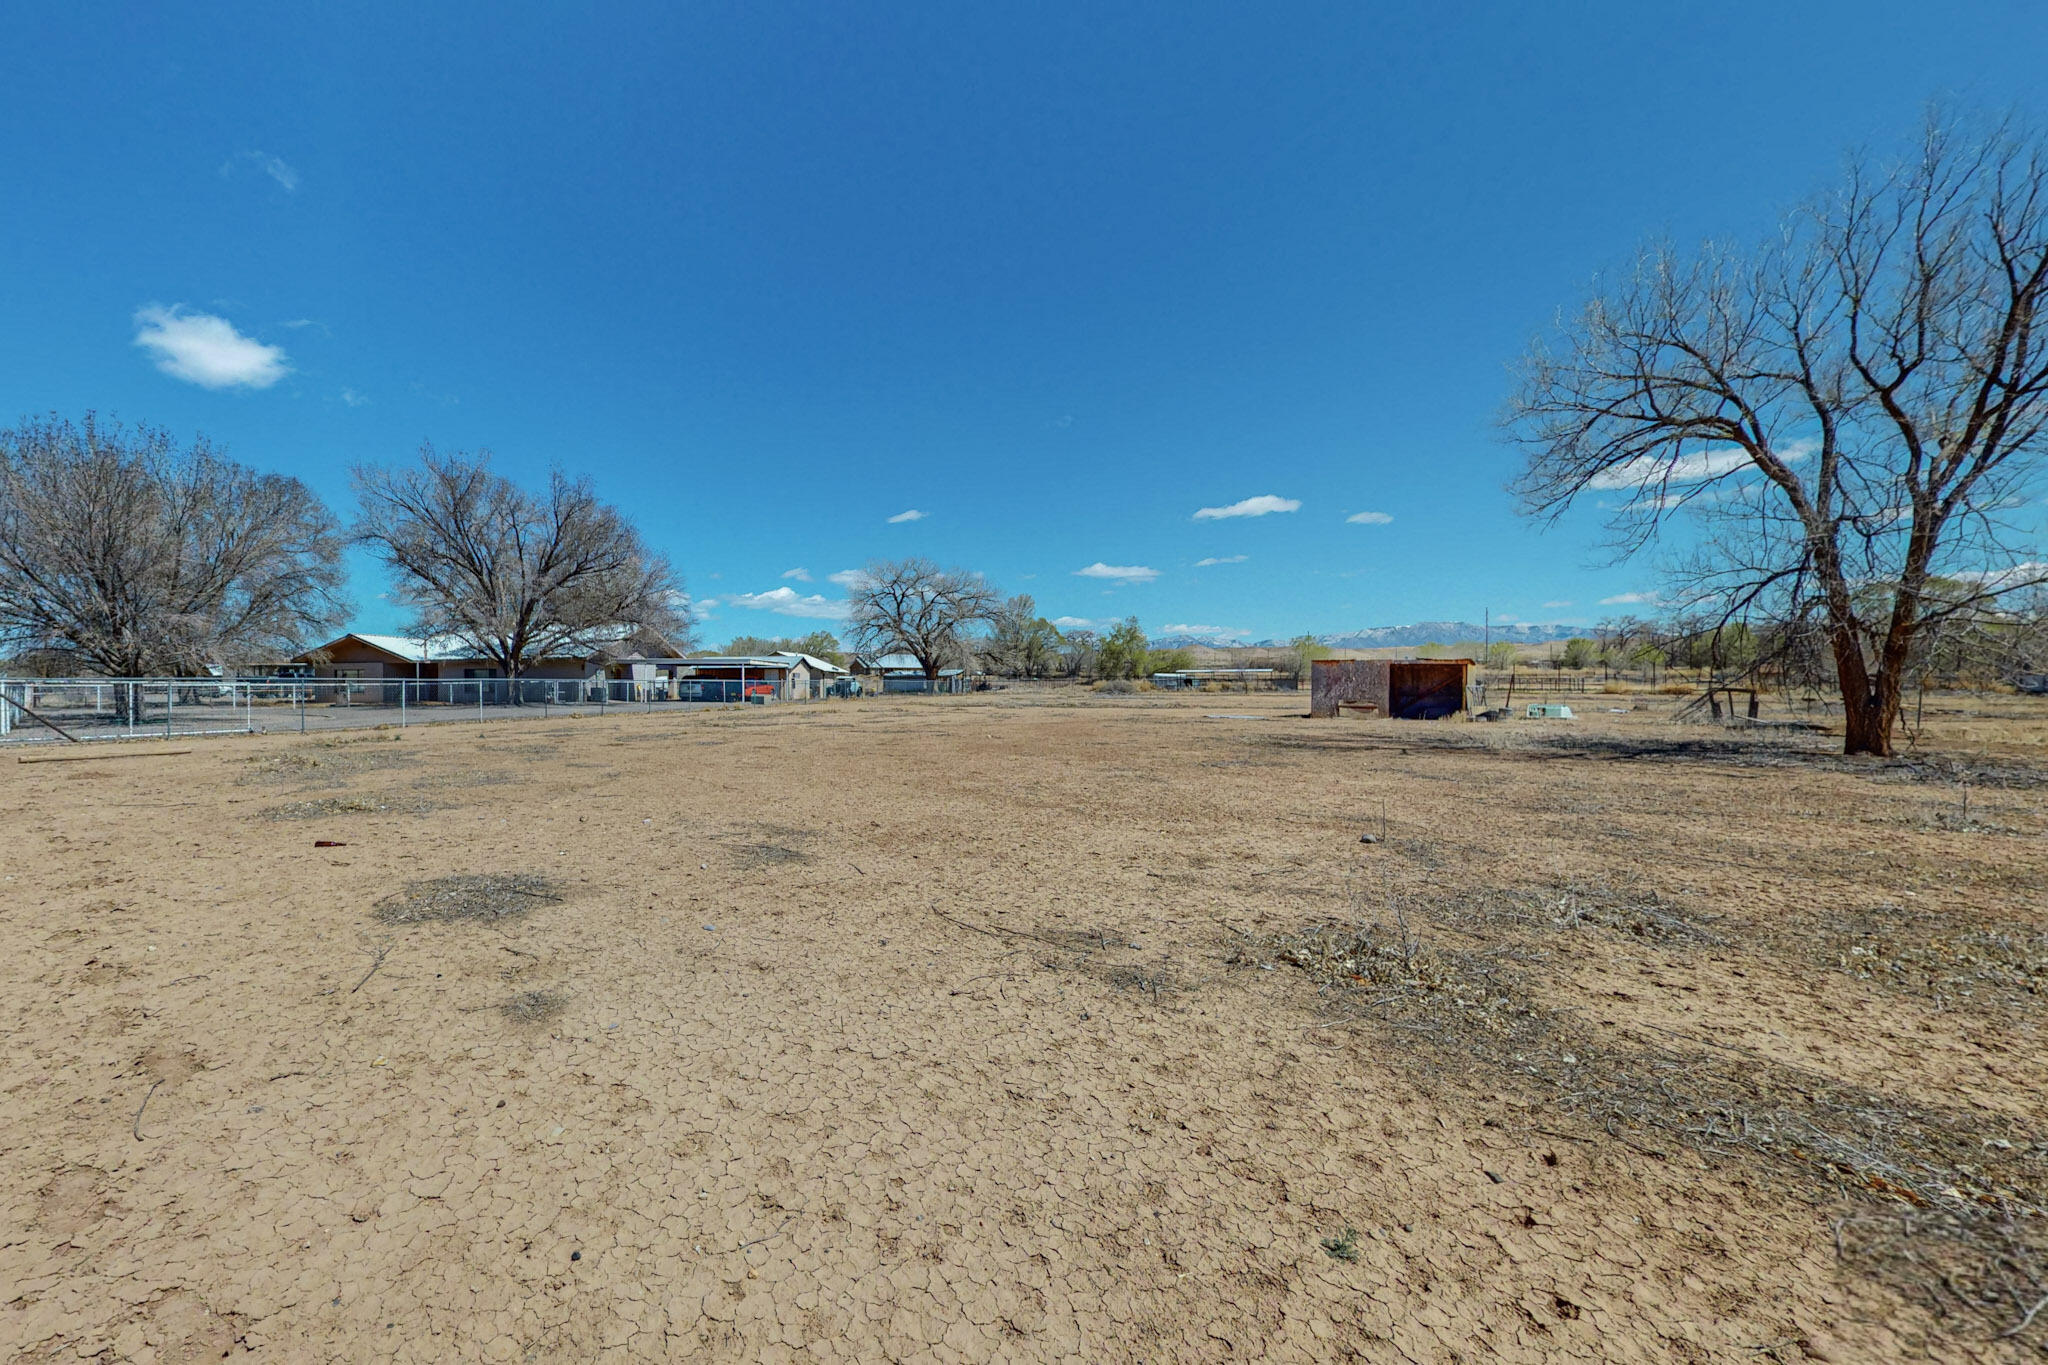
(912, 515)
(1630, 599)
(788, 602)
(849, 578)
(1076, 622)
(1647, 471)
(1122, 573)
(1562, 602)
(1221, 559)
(274, 167)
(2005, 580)
(798, 575)
(1250, 507)
(1207, 631)
(354, 399)
(206, 350)
(1369, 518)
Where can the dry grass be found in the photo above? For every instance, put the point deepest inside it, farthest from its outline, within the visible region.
(1947, 1203)
(327, 806)
(472, 896)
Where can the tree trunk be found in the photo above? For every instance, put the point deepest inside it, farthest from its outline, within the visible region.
(1870, 702)
(1868, 721)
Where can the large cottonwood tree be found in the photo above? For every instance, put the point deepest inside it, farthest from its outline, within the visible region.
(915, 607)
(516, 575)
(125, 553)
(1854, 407)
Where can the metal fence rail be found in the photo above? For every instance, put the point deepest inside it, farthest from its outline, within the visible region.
(57, 710)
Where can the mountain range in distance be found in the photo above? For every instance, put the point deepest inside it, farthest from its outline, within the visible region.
(1394, 637)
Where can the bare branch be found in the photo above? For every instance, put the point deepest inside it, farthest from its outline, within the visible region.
(1843, 414)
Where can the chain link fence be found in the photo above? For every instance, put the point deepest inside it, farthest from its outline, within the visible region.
(57, 710)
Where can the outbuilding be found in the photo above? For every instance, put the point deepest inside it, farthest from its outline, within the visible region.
(914, 680)
(1406, 689)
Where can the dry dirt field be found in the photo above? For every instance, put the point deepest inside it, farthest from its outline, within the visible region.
(1029, 1026)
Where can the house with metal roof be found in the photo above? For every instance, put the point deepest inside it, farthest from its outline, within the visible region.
(443, 659)
(365, 656)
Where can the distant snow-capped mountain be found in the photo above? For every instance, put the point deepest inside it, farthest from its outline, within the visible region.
(1391, 637)
(1446, 632)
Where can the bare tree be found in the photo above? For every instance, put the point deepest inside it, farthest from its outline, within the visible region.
(914, 606)
(1854, 408)
(132, 556)
(1078, 649)
(515, 575)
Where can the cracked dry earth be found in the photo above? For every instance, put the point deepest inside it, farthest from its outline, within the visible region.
(907, 1029)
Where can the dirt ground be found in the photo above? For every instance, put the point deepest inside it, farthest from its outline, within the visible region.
(1039, 1025)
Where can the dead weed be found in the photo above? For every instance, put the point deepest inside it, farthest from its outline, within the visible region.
(475, 896)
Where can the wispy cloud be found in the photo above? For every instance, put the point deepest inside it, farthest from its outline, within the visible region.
(1648, 471)
(1368, 518)
(206, 350)
(1630, 599)
(1076, 622)
(354, 399)
(1207, 632)
(912, 515)
(274, 167)
(1121, 573)
(1249, 507)
(797, 575)
(788, 602)
(849, 578)
(1221, 559)
(1561, 602)
(2006, 580)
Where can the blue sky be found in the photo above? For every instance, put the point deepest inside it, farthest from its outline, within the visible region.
(1054, 278)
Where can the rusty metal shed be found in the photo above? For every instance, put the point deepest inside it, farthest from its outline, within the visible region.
(1406, 689)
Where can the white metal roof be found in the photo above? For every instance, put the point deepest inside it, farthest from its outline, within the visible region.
(817, 664)
(744, 660)
(445, 648)
(434, 647)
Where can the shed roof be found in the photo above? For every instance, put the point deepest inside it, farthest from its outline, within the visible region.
(783, 661)
(817, 664)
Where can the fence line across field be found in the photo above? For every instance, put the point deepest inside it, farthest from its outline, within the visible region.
(57, 710)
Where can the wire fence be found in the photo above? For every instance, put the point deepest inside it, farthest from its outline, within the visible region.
(60, 710)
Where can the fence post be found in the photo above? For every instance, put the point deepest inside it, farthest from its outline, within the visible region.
(300, 688)
(170, 697)
(401, 703)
